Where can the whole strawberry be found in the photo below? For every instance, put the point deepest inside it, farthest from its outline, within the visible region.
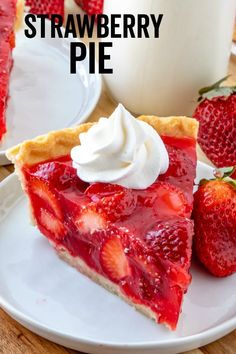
(214, 216)
(47, 7)
(91, 7)
(216, 114)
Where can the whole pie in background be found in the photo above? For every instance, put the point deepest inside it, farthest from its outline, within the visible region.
(11, 15)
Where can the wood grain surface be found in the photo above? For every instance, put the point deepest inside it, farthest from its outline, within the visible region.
(15, 339)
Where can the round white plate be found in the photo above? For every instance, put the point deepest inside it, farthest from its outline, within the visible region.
(55, 301)
(44, 95)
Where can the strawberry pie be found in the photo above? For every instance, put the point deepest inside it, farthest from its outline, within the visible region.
(11, 12)
(114, 199)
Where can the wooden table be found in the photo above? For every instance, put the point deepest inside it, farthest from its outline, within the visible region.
(15, 339)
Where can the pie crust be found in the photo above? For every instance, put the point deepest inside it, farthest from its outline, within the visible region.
(59, 143)
(19, 14)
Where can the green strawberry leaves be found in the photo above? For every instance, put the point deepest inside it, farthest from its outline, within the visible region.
(225, 174)
(222, 174)
(216, 90)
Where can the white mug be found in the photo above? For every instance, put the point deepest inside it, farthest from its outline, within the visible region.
(163, 75)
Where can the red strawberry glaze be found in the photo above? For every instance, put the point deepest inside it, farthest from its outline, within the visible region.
(7, 43)
(139, 239)
(182, 155)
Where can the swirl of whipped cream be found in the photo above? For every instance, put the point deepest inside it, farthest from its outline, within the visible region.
(120, 150)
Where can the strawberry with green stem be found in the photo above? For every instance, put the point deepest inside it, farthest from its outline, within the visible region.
(215, 223)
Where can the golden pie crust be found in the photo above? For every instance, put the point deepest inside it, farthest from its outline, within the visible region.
(59, 143)
(19, 14)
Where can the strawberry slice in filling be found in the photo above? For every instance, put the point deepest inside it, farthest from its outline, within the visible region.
(139, 240)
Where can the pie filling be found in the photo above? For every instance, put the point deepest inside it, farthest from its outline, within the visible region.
(7, 43)
(138, 239)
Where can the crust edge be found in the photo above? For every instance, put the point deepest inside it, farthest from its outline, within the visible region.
(59, 143)
(173, 126)
(45, 147)
(81, 266)
(20, 4)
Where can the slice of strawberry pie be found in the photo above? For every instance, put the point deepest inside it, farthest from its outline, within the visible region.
(115, 198)
(11, 13)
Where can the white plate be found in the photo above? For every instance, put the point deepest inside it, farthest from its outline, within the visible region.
(44, 95)
(55, 301)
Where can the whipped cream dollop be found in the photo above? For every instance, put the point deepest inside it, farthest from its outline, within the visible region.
(120, 150)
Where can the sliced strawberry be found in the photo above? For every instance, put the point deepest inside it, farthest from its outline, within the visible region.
(54, 226)
(179, 276)
(100, 190)
(43, 191)
(172, 198)
(166, 199)
(114, 201)
(89, 221)
(113, 260)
